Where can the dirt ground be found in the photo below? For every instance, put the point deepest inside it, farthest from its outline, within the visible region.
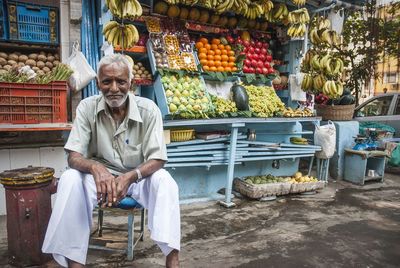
(344, 225)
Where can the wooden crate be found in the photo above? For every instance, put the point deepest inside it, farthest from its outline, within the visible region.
(261, 190)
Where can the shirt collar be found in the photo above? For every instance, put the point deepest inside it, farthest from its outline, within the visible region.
(133, 112)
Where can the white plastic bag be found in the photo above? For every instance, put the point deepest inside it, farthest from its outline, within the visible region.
(83, 72)
(296, 93)
(325, 136)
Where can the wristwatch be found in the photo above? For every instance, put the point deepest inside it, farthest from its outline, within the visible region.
(139, 175)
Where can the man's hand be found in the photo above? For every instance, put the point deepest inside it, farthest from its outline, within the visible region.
(123, 181)
(105, 185)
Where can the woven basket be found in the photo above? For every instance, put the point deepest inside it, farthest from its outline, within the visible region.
(336, 112)
(257, 191)
(182, 134)
(306, 187)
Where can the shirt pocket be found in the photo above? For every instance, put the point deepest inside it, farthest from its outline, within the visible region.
(133, 155)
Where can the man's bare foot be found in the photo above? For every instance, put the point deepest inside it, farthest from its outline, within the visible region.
(72, 264)
(172, 260)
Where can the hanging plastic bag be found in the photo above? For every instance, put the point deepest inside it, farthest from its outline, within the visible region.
(83, 72)
(325, 136)
(296, 93)
(394, 160)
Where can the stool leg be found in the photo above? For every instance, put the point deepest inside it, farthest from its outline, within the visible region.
(318, 169)
(100, 223)
(130, 236)
(142, 216)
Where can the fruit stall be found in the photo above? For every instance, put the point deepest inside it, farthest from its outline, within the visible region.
(219, 73)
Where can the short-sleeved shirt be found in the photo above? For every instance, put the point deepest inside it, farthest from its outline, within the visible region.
(137, 139)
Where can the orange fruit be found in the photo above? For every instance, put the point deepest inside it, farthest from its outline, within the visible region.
(217, 57)
(234, 68)
(215, 41)
(203, 62)
(224, 58)
(217, 63)
(203, 50)
(232, 59)
(210, 57)
(224, 52)
(221, 46)
(202, 56)
(211, 63)
(224, 64)
(231, 53)
(220, 69)
(211, 52)
(199, 45)
(228, 47)
(203, 40)
(228, 69)
(217, 52)
(206, 68)
(214, 47)
(207, 46)
(213, 69)
(231, 64)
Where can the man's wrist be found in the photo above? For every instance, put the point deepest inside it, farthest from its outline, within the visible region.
(139, 176)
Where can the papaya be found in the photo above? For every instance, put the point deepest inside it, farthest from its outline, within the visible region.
(204, 16)
(214, 19)
(240, 97)
(161, 8)
(232, 22)
(194, 14)
(173, 11)
(184, 13)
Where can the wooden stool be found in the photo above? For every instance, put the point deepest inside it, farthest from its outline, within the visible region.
(130, 205)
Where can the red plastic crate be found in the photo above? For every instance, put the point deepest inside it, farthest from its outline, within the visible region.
(25, 103)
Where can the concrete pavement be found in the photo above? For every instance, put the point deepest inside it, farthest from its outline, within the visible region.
(344, 225)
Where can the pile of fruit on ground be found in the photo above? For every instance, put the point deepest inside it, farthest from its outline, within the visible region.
(298, 177)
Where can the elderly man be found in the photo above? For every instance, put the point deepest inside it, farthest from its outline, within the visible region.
(115, 149)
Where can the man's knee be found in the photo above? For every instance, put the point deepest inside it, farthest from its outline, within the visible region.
(162, 178)
(70, 178)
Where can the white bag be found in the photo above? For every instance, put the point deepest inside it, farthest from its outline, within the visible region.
(296, 93)
(325, 136)
(83, 72)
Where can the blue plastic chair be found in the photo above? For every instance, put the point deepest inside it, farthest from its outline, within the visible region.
(129, 204)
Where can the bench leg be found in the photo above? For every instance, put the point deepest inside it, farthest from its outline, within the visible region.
(130, 236)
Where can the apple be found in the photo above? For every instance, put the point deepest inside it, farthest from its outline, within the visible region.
(260, 64)
(261, 57)
(246, 69)
(251, 50)
(245, 50)
(239, 41)
(265, 71)
(256, 57)
(259, 70)
(267, 65)
(259, 44)
(266, 45)
(252, 43)
(252, 70)
(268, 58)
(264, 51)
(254, 63)
(257, 51)
(246, 43)
(230, 39)
(247, 62)
(271, 70)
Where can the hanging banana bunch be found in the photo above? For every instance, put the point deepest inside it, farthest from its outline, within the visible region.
(125, 9)
(298, 20)
(121, 35)
(299, 2)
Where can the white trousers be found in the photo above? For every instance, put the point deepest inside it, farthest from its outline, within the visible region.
(68, 232)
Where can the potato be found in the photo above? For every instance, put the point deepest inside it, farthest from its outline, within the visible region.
(35, 68)
(50, 58)
(39, 72)
(7, 67)
(33, 56)
(42, 53)
(46, 69)
(56, 56)
(13, 57)
(11, 62)
(23, 58)
(4, 55)
(21, 64)
(17, 53)
(42, 58)
(40, 64)
(30, 62)
(3, 61)
(56, 62)
(3, 71)
(49, 64)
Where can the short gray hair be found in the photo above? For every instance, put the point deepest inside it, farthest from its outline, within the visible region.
(115, 58)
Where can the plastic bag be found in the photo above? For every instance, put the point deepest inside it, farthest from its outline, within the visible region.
(325, 136)
(83, 72)
(394, 160)
(296, 93)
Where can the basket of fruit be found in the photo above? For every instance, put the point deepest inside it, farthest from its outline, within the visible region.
(182, 134)
(262, 186)
(301, 184)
